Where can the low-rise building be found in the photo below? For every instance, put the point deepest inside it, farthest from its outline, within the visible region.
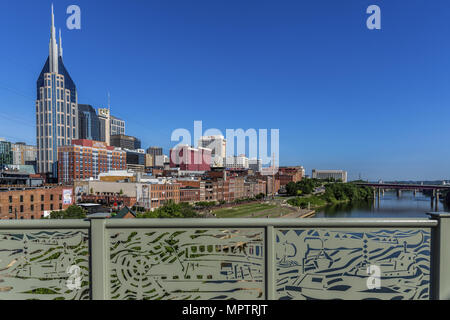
(338, 175)
(33, 202)
(290, 174)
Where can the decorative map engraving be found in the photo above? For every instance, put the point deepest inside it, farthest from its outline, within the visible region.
(187, 264)
(35, 264)
(332, 264)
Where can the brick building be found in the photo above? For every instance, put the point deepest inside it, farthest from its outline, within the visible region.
(109, 199)
(155, 195)
(32, 203)
(289, 174)
(87, 159)
(190, 159)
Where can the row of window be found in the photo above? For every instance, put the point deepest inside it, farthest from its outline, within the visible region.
(32, 208)
(21, 198)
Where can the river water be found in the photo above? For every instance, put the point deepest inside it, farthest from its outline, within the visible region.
(389, 206)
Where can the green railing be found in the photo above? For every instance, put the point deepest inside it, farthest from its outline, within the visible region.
(226, 259)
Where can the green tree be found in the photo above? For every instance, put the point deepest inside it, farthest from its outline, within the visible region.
(72, 212)
(171, 210)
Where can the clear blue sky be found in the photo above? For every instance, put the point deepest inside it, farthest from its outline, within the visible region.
(375, 103)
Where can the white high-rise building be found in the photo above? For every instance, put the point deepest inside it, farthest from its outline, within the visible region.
(218, 145)
(56, 108)
(237, 162)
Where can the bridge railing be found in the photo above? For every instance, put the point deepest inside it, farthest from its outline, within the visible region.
(226, 259)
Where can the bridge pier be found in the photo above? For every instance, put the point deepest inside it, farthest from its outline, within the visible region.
(399, 193)
(415, 192)
(436, 205)
(433, 196)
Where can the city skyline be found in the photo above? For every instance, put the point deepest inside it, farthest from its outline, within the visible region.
(315, 131)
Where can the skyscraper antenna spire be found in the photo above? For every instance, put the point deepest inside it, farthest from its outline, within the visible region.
(60, 44)
(53, 47)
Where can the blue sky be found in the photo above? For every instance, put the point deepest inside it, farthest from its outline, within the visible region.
(372, 102)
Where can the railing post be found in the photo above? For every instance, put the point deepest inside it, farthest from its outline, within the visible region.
(270, 263)
(99, 259)
(440, 257)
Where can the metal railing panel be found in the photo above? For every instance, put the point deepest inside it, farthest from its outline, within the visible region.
(187, 263)
(47, 264)
(357, 263)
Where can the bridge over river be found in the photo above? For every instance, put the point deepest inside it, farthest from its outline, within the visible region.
(379, 188)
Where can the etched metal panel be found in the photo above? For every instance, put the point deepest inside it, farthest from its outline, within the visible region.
(333, 263)
(187, 264)
(44, 265)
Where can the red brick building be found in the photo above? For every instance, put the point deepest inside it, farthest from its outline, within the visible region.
(32, 202)
(190, 159)
(289, 174)
(87, 158)
(155, 195)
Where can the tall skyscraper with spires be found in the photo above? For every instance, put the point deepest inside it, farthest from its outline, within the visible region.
(56, 108)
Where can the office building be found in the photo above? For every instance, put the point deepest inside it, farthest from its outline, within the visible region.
(255, 165)
(117, 126)
(6, 154)
(218, 146)
(24, 154)
(237, 162)
(125, 142)
(136, 160)
(88, 123)
(190, 159)
(56, 108)
(337, 175)
(109, 125)
(104, 125)
(157, 156)
(86, 159)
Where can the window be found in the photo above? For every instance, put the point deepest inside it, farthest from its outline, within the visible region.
(51, 206)
(21, 208)
(10, 209)
(10, 199)
(42, 198)
(32, 207)
(42, 207)
(51, 197)
(32, 198)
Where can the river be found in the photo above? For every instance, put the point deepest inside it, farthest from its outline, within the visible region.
(389, 206)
